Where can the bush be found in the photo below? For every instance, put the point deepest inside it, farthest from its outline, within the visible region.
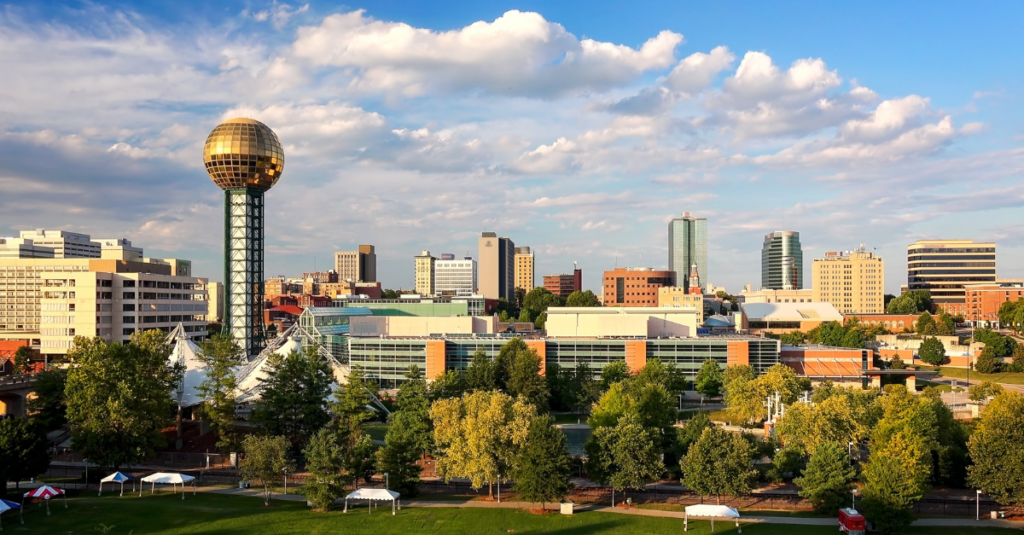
(987, 361)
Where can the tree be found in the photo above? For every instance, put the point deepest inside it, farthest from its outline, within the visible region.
(983, 391)
(390, 294)
(538, 300)
(23, 450)
(266, 461)
(709, 379)
(220, 355)
(612, 373)
(910, 303)
(353, 400)
(853, 339)
(519, 295)
(324, 462)
(1003, 346)
(793, 338)
(626, 455)
(451, 384)
(895, 478)
(481, 373)
(519, 373)
(402, 448)
(826, 481)
(945, 326)
(119, 397)
(413, 404)
(745, 393)
(897, 363)
(987, 361)
(585, 298)
(719, 463)
(925, 324)
(806, 426)
(995, 448)
(22, 360)
(932, 351)
(361, 461)
(587, 389)
(1011, 314)
(690, 433)
(50, 406)
(542, 471)
(479, 435)
(293, 402)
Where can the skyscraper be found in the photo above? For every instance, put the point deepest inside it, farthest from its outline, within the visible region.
(524, 269)
(244, 158)
(496, 269)
(853, 281)
(943, 267)
(358, 266)
(455, 277)
(782, 261)
(688, 245)
(425, 273)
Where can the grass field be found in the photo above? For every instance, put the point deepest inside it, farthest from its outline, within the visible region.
(233, 515)
(376, 430)
(961, 373)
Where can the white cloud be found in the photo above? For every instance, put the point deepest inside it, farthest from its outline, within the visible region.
(696, 72)
(518, 53)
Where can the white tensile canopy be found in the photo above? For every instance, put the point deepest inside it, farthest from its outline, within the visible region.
(251, 377)
(375, 495)
(712, 512)
(185, 353)
(169, 478)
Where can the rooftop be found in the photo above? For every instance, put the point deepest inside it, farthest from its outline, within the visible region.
(791, 312)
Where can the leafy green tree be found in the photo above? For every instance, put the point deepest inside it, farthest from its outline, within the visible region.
(400, 452)
(613, 373)
(787, 462)
(897, 363)
(588, 390)
(479, 435)
(945, 326)
(1011, 314)
(526, 381)
(826, 481)
(719, 463)
(610, 407)
(451, 384)
(50, 406)
(637, 455)
(925, 324)
(744, 395)
(361, 461)
(413, 404)
(895, 478)
(293, 402)
(519, 295)
(22, 360)
(390, 294)
(220, 355)
(932, 351)
(353, 400)
(793, 338)
(538, 300)
(119, 398)
(23, 450)
(709, 379)
(585, 298)
(806, 426)
(690, 433)
(910, 303)
(542, 471)
(324, 462)
(481, 373)
(1018, 358)
(1003, 346)
(266, 462)
(995, 448)
(983, 391)
(987, 361)
(853, 339)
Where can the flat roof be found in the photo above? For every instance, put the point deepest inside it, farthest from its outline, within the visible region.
(791, 312)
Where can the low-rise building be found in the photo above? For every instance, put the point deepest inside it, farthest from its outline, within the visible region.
(635, 287)
(982, 301)
(680, 297)
(906, 348)
(780, 318)
(776, 296)
(650, 322)
(565, 284)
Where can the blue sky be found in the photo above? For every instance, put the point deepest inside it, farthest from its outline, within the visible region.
(576, 128)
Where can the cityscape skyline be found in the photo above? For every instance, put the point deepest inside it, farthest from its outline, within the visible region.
(569, 193)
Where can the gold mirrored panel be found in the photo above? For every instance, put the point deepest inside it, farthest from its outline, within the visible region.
(243, 153)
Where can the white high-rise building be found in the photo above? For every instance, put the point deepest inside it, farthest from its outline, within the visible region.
(455, 277)
(65, 244)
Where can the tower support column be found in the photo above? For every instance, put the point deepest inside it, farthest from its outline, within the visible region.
(243, 268)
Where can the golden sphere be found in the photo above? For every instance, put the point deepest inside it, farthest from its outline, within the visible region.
(243, 153)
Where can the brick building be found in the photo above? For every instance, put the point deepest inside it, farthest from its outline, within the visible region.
(635, 287)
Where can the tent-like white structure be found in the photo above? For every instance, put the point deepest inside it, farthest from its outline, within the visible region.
(169, 478)
(375, 495)
(185, 353)
(45, 492)
(116, 477)
(712, 512)
(7, 506)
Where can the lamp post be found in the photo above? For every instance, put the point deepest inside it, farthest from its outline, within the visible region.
(499, 488)
(977, 505)
(853, 499)
(849, 449)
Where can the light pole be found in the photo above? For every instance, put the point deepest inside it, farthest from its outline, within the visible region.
(853, 499)
(977, 505)
(386, 481)
(499, 488)
(849, 449)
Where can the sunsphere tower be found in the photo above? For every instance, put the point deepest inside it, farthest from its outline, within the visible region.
(244, 158)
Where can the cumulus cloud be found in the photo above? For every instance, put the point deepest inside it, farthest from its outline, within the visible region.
(696, 72)
(518, 53)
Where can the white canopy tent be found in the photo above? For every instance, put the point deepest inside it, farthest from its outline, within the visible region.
(375, 495)
(171, 478)
(712, 512)
(117, 477)
(185, 353)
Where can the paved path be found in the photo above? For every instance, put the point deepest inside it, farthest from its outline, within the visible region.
(753, 519)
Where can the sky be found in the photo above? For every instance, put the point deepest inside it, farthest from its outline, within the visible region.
(576, 128)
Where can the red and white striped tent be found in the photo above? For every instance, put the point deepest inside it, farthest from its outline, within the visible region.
(44, 493)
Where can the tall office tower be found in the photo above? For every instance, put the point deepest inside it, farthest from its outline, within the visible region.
(496, 271)
(65, 244)
(425, 273)
(852, 281)
(782, 261)
(943, 267)
(244, 158)
(455, 278)
(688, 245)
(524, 269)
(358, 266)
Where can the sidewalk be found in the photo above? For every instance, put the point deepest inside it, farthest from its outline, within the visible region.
(752, 519)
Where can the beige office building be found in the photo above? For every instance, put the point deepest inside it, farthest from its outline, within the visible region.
(65, 244)
(215, 298)
(777, 296)
(23, 248)
(851, 281)
(357, 266)
(496, 269)
(50, 301)
(425, 273)
(679, 297)
(524, 269)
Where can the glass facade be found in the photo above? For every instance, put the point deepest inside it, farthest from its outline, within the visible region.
(688, 245)
(782, 261)
(943, 268)
(329, 327)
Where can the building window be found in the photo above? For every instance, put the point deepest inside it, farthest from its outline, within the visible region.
(128, 295)
(128, 307)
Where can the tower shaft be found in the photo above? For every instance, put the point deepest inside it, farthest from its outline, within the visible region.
(243, 268)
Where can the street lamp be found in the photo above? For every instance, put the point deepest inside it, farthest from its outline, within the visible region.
(853, 499)
(499, 488)
(977, 506)
(849, 449)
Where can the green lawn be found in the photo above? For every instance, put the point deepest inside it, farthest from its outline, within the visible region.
(233, 515)
(376, 430)
(569, 418)
(961, 373)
